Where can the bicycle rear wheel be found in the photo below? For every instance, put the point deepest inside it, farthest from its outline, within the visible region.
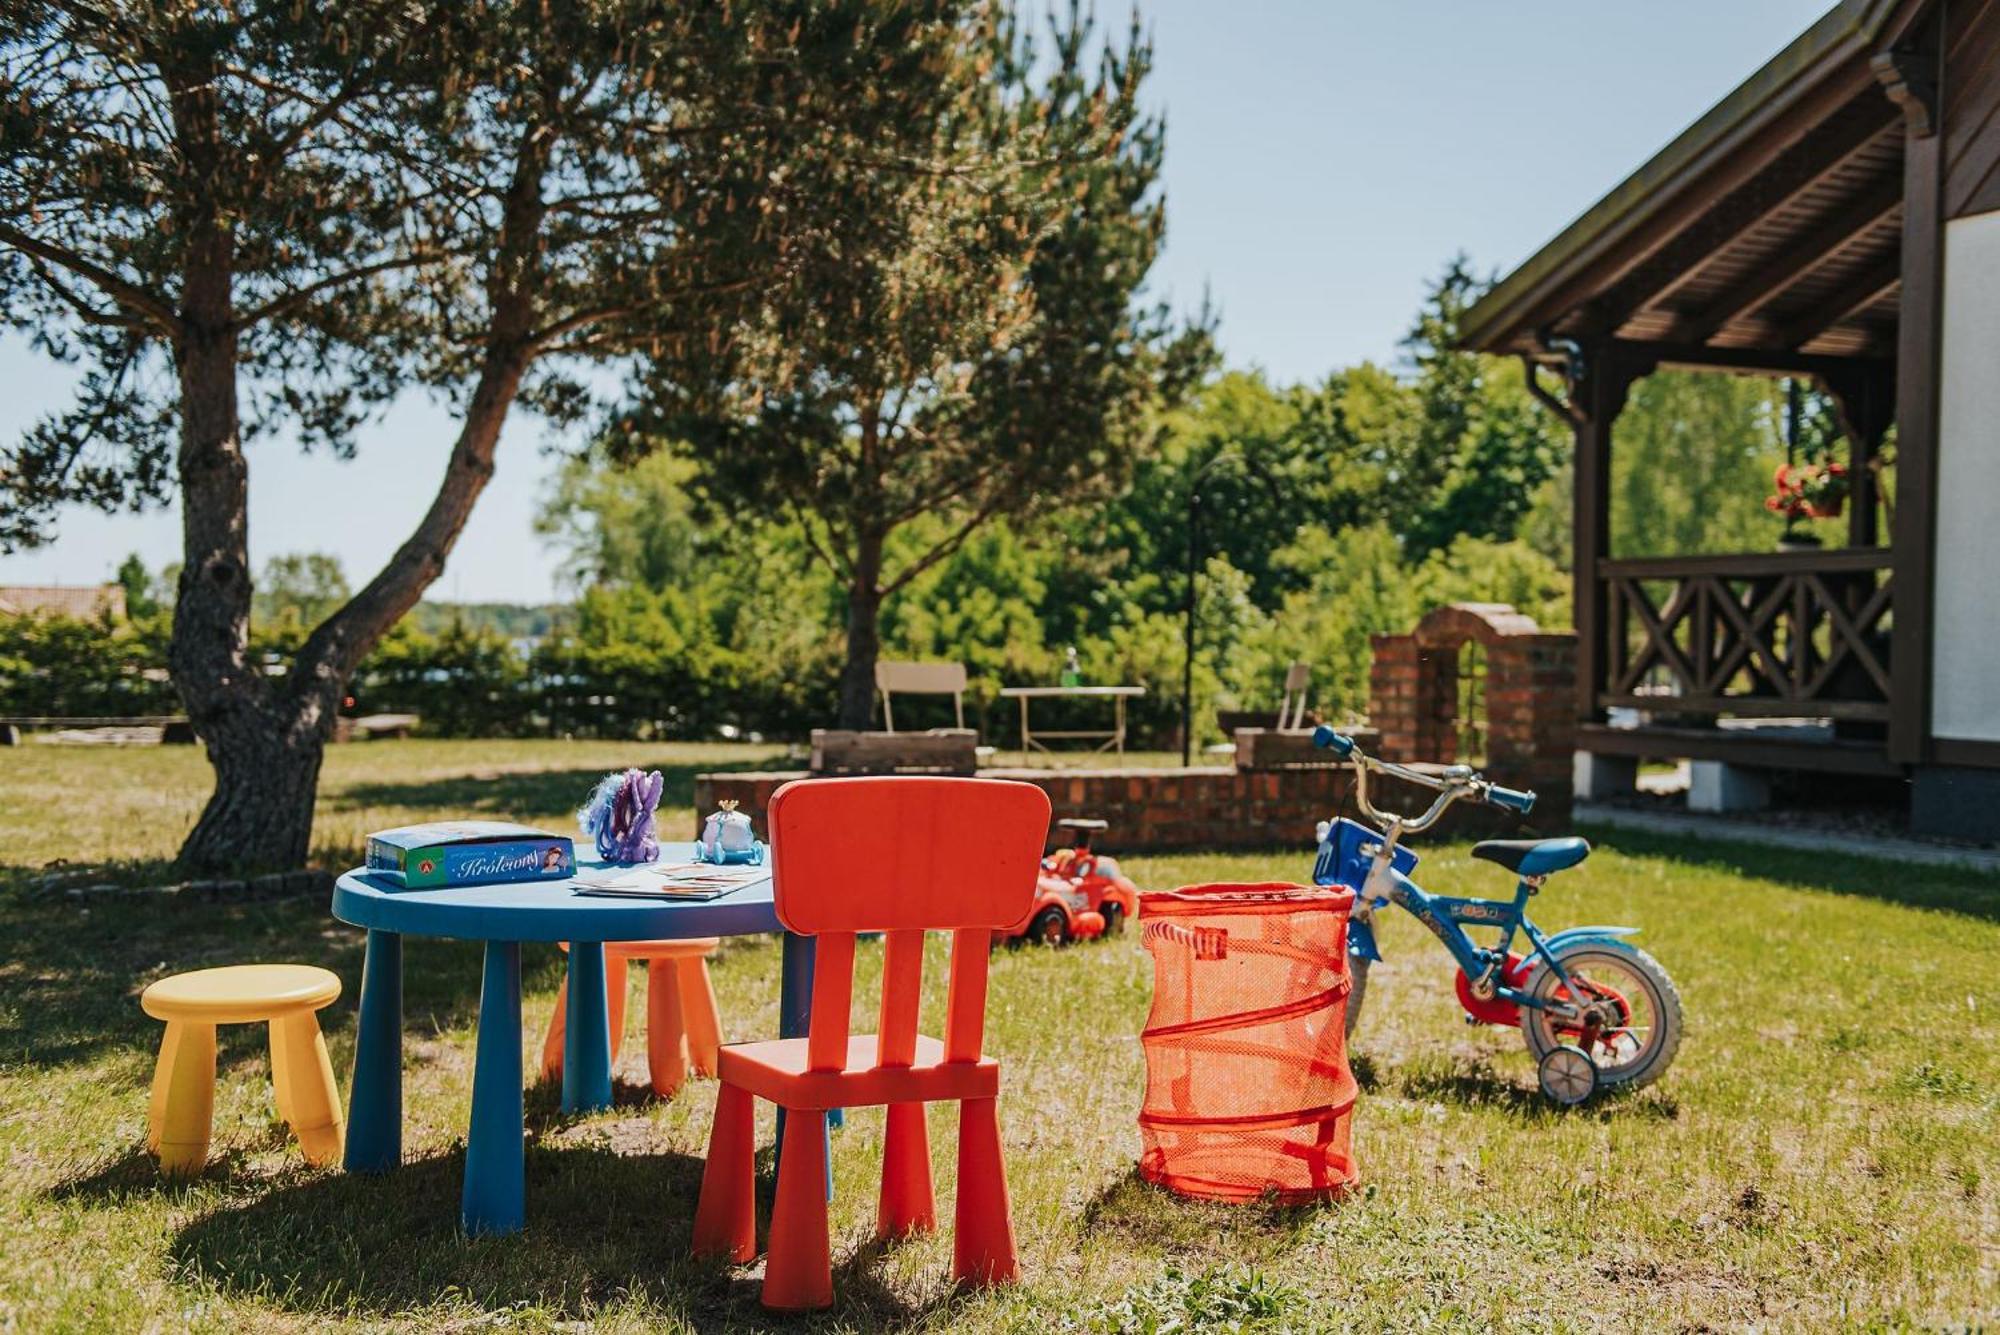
(1632, 1011)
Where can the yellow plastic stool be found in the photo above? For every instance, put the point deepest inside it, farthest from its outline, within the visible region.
(285, 996)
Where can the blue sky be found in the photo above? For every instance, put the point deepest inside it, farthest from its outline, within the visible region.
(1324, 160)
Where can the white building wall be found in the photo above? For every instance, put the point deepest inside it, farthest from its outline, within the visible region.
(1965, 675)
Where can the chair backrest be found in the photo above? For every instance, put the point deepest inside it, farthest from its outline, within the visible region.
(920, 679)
(1292, 710)
(902, 855)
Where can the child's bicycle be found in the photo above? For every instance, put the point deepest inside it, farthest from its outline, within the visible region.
(1596, 1010)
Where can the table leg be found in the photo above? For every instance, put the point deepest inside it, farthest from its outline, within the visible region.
(586, 1085)
(495, 1168)
(375, 1094)
(1027, 737)
(1119, 701)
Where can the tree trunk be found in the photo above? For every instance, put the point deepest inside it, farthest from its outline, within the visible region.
(266, 740)
(264, 745)
(266, 763)
(864, 633)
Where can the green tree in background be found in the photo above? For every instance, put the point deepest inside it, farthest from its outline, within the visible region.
(137, 582)
(296, 592)
(989, 359)
(1691, 463)
(1481, 446)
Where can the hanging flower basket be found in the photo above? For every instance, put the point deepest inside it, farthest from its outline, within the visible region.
(1808, 491)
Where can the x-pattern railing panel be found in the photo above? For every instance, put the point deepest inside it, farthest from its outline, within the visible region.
(1795, 631)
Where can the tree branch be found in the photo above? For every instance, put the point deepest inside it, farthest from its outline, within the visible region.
(130, 295)
(844, 569)
(292, 300)
(947, 547)
(577, 320)
(84, 310)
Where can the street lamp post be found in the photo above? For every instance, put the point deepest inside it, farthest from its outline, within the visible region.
(1187, 630)
(1229, 455)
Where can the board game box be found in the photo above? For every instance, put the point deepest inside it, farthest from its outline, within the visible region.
(469, 852)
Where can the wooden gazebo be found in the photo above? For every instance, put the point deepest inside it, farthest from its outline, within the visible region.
(1838, 217)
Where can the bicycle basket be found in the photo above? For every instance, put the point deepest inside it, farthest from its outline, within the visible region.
(1248, 1093)
(1347, 852)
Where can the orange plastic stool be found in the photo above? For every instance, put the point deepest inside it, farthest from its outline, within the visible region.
(284, 996)
(899, 856)
(682, 1026)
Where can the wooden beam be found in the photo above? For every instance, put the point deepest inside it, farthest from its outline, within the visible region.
(1757, 200)
(1749, 361)
(1858, 292)
(1744, 746)
(1796, 259)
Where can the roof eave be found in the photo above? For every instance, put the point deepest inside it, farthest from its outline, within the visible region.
(1506, 314)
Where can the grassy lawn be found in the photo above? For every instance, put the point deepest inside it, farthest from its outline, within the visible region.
(1825, 1152)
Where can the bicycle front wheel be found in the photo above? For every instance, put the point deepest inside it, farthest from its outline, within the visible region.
(1631, 1017)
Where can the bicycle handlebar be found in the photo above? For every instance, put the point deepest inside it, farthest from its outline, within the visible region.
(1455, 783)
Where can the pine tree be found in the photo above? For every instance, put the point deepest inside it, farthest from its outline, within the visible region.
(990, 357)
(272, 216)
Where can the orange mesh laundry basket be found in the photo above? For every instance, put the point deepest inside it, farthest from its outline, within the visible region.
(1247, 1088)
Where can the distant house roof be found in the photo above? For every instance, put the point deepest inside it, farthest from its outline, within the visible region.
(84, 602)
(1771, 223)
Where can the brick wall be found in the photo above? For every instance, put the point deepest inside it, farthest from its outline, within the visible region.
(1158, 810)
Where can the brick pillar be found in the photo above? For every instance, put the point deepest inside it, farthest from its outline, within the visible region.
(1531, 717)
(1530, 697)
(1412, 697)
(1393, 673)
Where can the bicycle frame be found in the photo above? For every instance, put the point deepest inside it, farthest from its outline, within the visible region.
(1352, 854)
(1447, 916)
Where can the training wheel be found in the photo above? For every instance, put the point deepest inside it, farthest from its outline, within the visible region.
(1568, 1075)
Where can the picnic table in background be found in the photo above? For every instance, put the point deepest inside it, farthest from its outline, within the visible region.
(504, 916)
(1117, 694)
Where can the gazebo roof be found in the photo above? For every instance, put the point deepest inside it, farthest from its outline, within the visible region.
(1769, 230)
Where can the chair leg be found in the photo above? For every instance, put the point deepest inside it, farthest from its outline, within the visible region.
(666, 1035)
(983, 1241)
(552, 1046)
(302, 1077)
(798, 1272)
(698, 1013)
(183, 1103)
(906, 1205)
(725, 1216)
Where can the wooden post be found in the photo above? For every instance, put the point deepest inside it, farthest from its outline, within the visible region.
(1598, 399)
(1866, 400)
(1910, 75)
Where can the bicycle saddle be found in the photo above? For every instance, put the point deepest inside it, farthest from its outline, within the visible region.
(1533, 857)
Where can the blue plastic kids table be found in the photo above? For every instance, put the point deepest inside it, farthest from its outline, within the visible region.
(503, 916)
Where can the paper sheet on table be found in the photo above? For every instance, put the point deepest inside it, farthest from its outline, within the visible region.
(658, 880)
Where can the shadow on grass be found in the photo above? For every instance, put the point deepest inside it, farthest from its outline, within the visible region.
(602, 1228)
(1963, 890)
(1134, 1210)
(1478, 1086)
(72, 974)
(513, 792)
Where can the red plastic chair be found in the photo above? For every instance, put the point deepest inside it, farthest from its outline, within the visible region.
(899, 856)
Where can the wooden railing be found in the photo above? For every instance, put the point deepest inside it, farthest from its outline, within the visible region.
(1770, 635)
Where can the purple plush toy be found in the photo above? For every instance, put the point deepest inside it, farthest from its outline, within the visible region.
(620, 816)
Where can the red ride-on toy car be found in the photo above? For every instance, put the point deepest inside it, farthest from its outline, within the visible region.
(1080, 893)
